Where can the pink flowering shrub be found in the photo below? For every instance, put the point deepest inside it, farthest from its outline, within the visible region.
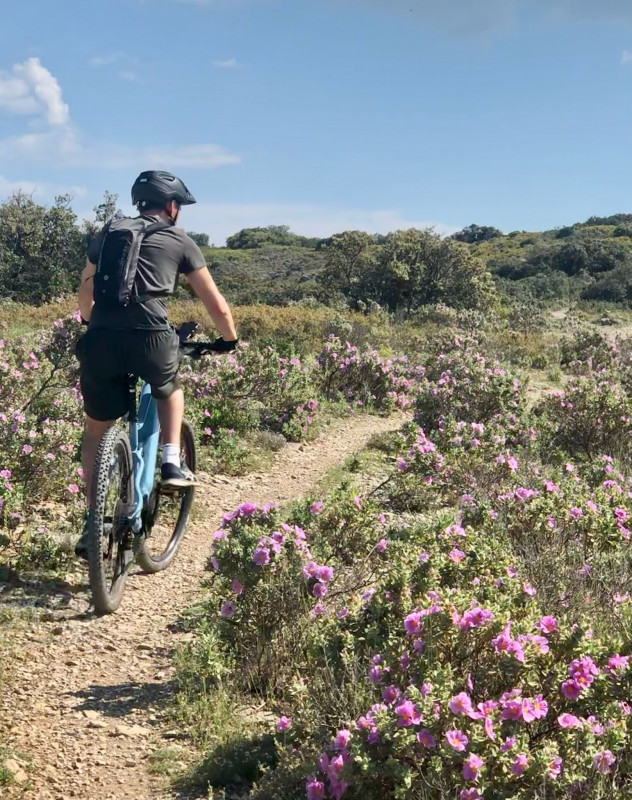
(462, 384)
(40, 430)
(450, 678)
(592, 416)
(365, 378)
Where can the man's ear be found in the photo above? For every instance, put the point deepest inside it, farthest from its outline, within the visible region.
(173, 209)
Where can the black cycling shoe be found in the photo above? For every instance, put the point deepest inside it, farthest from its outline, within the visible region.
(81, 548)
(179, 477)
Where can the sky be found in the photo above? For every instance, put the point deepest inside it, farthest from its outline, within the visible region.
(324, 115)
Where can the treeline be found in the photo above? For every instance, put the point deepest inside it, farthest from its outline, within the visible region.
(42, 252)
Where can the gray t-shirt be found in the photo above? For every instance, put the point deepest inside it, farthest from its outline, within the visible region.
(164, 255)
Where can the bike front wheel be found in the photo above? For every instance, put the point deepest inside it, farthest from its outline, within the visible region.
(167, 514)
(109, 548)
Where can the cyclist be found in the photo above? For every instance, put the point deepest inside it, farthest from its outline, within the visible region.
(137, 338)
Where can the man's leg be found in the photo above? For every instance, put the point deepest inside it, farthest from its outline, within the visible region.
(93, 431)
(171, 414)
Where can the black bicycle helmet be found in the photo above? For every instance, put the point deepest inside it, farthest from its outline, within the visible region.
(155, 188)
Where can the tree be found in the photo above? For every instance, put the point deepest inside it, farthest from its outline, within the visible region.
(417, 268)
(201, 239)
(103, 213)
(349, 256)
(476, 233)
(42, 250)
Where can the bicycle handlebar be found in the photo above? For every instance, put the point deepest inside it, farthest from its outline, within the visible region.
(196, 350)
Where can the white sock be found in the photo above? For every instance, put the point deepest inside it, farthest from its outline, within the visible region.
(171, 454)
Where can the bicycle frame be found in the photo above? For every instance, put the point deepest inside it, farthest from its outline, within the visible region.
(144, 434)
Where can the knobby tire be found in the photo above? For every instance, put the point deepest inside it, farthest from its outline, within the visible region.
(148, 559)
(106, 548)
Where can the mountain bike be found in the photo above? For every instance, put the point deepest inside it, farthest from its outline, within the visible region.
(134, 517)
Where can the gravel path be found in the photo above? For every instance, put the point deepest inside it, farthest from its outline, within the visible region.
(86, 693)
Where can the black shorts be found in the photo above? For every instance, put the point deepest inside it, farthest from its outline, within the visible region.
(107, 357)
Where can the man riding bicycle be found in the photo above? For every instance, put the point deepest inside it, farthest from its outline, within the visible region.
(136, 338)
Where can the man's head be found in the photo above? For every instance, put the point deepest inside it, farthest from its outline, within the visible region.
(157, 191)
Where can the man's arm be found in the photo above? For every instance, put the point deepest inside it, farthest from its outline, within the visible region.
(86, 290)
(204, 287)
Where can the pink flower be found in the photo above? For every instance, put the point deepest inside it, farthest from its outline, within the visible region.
(507, 744)
(462, 704)
(319, 590)
(261, 556)
(489, 729)
(357, 502)
(236, 586)
(391, 694)
(571, 690)
(575, 513)
(412, 623)
(342, 739)
(520, 764)
(457, 555)
(423, 557)
(617, 662)
(315, 789)
(284, 724)
(470, 794)
(316, 507)
(475, 618)
(457, 740)
(381, 545)
(407, 714)
(547, 625)
(472, 766)
(603, 761)
(555, 767)
(528, 589)
(512, 463)
(426, 739)
(228, 609)
(569, 721)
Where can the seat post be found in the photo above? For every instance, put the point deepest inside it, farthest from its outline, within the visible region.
(131, 398)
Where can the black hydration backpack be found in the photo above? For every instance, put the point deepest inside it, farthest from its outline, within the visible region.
(118, 260)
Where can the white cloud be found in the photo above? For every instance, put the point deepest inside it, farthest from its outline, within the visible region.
(31, 89)
(626, 57)
(42, 192)
(485, 16)
(129, 75)
(220, 220)
(67, 148)
(111, 58)
(231, 63)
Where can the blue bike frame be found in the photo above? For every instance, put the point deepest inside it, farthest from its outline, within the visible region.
(144, 433)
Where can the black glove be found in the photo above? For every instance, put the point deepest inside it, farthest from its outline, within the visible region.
(221, 346)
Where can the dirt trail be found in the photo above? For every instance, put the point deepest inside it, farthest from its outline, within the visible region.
(87, 693)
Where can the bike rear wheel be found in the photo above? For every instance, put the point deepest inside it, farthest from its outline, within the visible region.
(109, 547)
(167, 514)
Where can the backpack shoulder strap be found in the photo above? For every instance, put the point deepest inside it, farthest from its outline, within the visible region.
(156, 226)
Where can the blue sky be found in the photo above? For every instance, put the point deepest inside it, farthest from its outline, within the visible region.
(325, 115)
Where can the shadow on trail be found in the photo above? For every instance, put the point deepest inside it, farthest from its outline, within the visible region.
(120, 700)
(37, 590)
(233, 767)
